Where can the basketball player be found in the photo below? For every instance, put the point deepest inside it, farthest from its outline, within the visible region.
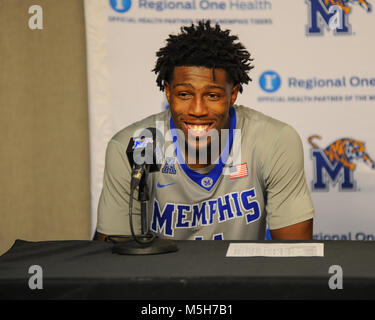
(231, 172)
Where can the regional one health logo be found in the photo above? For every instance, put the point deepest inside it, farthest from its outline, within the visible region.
(120, 5)
(335, 163)
(332, 14)
(270, 81)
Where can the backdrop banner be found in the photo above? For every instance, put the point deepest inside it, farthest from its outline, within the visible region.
(313, 69)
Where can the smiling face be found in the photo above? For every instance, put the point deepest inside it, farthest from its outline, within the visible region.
(199, 103)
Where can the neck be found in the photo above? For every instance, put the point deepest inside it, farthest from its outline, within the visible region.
(196, 159)
(204, 157)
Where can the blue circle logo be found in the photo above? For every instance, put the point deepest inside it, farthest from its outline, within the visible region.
(120, 5)
(270, 81)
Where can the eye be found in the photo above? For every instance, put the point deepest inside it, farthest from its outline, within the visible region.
(184, 95)
(213, 96)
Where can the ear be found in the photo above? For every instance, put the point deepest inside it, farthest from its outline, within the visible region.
(167, 90)
(234, 94)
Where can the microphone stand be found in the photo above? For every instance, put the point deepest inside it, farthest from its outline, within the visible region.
(143, 197)
(147, 242)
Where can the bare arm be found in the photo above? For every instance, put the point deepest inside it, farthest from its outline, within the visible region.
(298, 231)
(103, 237)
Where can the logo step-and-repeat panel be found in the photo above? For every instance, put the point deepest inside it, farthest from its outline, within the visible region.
(313, 69)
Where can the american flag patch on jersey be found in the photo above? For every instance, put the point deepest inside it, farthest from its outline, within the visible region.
(238, 171)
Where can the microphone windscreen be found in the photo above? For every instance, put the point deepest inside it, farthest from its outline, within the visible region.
(146, 147)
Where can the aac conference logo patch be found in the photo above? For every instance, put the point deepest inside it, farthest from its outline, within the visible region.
(120, 5)
(269, 81)
(332, 14)
(335, 164)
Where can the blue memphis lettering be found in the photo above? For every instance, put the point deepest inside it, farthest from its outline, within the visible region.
(174, 216)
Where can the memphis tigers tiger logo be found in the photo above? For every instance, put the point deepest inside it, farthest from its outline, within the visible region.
(332, 14)
(336, 163)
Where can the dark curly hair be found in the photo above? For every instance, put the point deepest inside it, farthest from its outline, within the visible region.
(205, 46)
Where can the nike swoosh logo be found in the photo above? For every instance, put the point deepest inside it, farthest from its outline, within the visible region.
(164, 185)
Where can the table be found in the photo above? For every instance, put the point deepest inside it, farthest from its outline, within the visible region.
(77, 269)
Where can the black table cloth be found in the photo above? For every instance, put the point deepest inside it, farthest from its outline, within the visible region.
(78, 269)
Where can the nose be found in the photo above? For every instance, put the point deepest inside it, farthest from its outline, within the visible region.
(198, 108)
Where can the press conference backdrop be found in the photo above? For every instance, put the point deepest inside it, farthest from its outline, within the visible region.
(314, 69)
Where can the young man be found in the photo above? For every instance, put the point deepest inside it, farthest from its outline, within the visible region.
(233, 170)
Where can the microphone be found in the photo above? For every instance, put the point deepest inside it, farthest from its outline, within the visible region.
(145, 154)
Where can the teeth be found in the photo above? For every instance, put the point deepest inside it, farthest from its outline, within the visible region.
(197, 128)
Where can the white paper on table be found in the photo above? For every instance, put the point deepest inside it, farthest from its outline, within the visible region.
(275, 250)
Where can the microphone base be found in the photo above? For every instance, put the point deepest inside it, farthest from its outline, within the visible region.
(157, 246)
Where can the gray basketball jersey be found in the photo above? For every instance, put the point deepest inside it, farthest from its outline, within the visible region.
(259, 181)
